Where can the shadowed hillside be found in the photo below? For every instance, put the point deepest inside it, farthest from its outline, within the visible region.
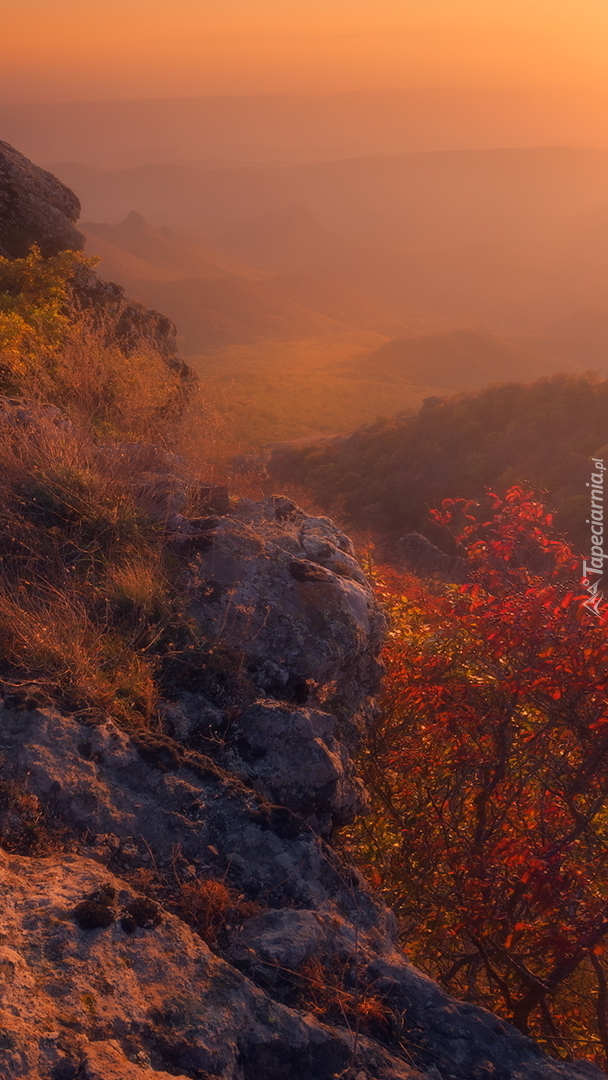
(458, 360)
(388, 475)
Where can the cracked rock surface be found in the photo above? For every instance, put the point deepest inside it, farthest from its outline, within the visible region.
(286, 589)
(101, 983)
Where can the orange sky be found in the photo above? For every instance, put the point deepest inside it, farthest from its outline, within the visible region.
(57, 50)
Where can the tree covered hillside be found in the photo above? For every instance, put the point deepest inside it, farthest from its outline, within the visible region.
(386, 475)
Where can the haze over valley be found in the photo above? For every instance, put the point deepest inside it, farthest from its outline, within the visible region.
(332, 292)
(332, 258)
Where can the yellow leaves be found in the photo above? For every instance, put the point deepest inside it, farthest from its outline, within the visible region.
(28, 281)
(12, 330)
(34, 296)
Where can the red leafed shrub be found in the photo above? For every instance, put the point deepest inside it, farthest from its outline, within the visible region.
(489, 774)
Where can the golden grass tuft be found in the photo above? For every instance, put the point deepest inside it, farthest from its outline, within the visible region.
(83, 589)
(210, 906)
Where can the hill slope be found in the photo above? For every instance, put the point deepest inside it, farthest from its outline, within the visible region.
(458, 360)
(184, 678)
(387, 475)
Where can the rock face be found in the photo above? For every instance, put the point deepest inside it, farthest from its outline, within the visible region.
(127, 321)
(426, 560)
(101, 983)
(293, 758)
(35, 208)
(285, 589)
(152, 1004)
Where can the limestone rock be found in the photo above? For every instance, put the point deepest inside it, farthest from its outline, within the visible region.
(149, 793)
(22, 414)
(102, 1004)
(284, 938)
(35, 208)
(288, 593)
(155, 1000)
(293, 757)
(276, 941)
(426, 560)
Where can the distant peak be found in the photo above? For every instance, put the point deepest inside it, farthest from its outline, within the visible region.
(134, 220)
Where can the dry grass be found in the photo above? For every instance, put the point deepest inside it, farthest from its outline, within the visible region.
(134, 397)
(331, 991)
(26, 826)
(208, 905)
(53, 350)
(84, 594)
(90, 604)
(52, 640)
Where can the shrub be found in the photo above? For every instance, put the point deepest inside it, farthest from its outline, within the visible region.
(489, 773)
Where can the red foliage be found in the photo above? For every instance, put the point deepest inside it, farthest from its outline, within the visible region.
(489, 769)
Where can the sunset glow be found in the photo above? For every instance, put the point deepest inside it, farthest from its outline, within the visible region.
(70, 50)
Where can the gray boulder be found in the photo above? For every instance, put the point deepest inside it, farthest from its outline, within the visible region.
(293, 758)
(426, 560)
(285, 589)
(35, 208)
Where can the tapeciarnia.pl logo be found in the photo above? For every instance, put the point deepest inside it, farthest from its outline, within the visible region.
(593, 570)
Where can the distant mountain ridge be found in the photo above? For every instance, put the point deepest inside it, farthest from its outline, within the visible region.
(217, 299)
(501, 235)
(289, 128)
(461, 360)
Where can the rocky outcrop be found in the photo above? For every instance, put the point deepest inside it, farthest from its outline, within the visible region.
(35, 208)
(126, 321)
(426, 560)
(152, 1003)
(293, 758)
(285, 588)
(155, 1002)
(237, 791)
(130, 997)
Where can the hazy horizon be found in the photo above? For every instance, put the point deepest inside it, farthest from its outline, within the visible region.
(289, 128)
(338, 176)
